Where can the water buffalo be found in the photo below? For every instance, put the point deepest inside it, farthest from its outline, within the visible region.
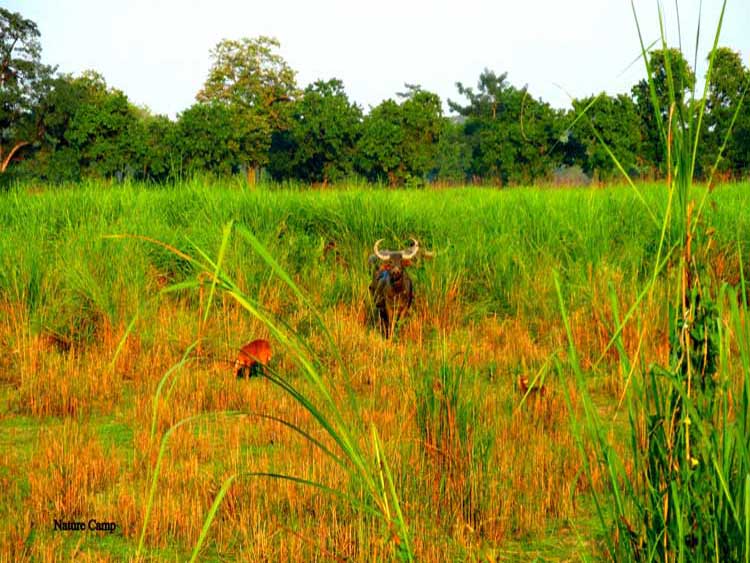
(391, 287)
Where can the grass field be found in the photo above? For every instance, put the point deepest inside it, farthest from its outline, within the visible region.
(90, 324)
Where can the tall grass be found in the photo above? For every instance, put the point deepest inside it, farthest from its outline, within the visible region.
(682, 492)
(476, 468)
(518, 238)
(458, 452)
(370, 470)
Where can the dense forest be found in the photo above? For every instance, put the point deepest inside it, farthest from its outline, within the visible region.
(252, 116)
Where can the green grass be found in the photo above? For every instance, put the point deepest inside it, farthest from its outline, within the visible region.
(682, 491)
(502, 245)
(488, 298)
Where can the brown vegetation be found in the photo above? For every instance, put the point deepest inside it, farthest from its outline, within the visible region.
(508, 476)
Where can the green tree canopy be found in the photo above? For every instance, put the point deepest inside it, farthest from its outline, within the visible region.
(728, 84)
(252, 79)
(319, 144)
(250, 113)
(616, 121)
(249, 73)
(399, 142)
(512, 135)
(216, 137)
(490, 99)
(673, 80)
(453, 153)
(22, 82)
(154, 139)
(105, 131)
(59, 159)
(88, 129)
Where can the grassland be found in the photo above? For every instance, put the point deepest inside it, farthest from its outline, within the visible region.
(90, 324)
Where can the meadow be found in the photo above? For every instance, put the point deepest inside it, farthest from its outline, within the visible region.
(122, 308)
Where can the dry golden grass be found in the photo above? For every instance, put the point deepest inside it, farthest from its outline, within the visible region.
(455, 503)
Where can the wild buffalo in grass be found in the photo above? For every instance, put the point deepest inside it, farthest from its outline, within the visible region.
(391, 288)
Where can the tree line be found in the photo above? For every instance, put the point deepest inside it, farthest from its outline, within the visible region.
(251, 114)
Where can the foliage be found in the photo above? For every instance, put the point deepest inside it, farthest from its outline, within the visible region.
(512, 135)
(250, 114)
(23, 79)
(319, 144)
(399, 142)
(248, 73)
(87, 129)
(102, 131)
(615, 121)
(728, 83)
(217, 138)
(669, 81)
(453, 162)
(154, 151)
(255, 82)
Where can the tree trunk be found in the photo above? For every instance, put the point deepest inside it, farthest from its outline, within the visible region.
(252, 174)
(6, 162)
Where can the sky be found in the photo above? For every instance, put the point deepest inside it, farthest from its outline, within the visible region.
(158, 51)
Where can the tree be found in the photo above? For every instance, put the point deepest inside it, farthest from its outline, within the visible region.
(105, 130)
(488, 101)
(514, 137)
(22, 81)
(423, 124)
(616, 121)
(58, 160)
(88, 129)
(399, 142)
(673, 80)
(320, 141)
(728, 84)
(215, 137)
(543, 145)
(156, 154)
(453, 152)
(254, 81)
(206, 139)
(379, 147)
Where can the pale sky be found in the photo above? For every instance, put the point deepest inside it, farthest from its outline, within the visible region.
(157, 51)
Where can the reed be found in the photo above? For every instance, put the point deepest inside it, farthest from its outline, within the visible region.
(680, 493)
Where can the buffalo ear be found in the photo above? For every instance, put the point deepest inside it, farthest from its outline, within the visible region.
(405, 263)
